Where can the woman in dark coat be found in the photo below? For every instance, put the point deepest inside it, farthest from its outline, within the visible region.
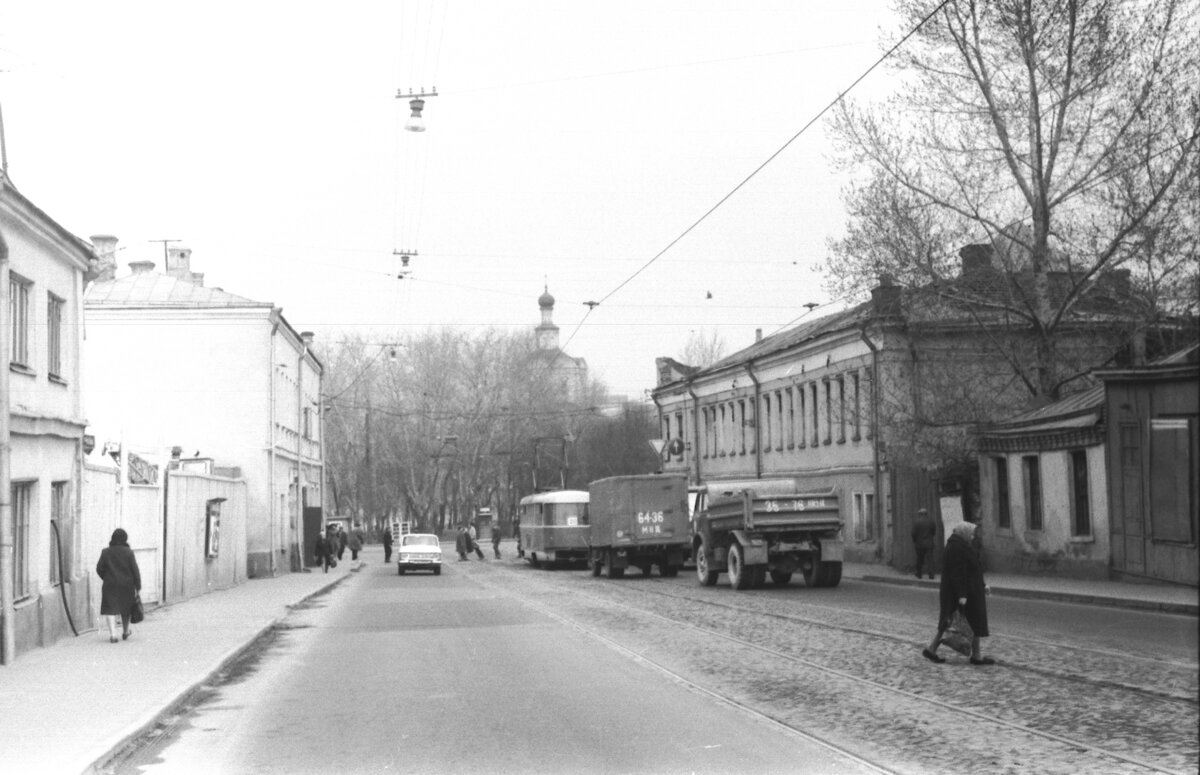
(324, 551)
(962, 589)
(122, 582)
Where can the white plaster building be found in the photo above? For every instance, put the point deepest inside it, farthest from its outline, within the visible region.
(42, 269)
(171, 361)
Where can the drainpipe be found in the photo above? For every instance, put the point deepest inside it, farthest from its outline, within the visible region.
(877, 516)
(757, 420)
(300, 361)
(8, 638)
(695, 430)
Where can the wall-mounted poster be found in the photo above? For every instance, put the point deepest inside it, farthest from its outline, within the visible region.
(212, 528)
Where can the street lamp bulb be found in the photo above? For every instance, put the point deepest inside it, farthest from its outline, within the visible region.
(415, 122)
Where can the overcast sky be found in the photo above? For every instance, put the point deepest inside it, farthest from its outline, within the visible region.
(570, 143)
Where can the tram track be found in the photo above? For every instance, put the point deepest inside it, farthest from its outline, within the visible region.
(1184, 694)
(591, 620)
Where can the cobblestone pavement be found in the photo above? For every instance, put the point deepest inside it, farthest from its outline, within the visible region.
(858, 681)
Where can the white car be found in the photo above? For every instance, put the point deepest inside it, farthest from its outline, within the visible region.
(420, 551)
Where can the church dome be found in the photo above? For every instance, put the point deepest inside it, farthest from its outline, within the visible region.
(546, 300)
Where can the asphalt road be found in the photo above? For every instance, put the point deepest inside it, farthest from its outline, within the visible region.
(425, 674)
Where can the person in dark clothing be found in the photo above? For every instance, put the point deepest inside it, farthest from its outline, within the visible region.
(462, 543)
(963, 589)
(517, 534)
(122, 582)
(924, 536)
(355, 541)
(387, 543)
(496, 540)
(341, 538)
(324, 551)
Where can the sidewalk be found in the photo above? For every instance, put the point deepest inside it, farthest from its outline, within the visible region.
(1164, 598)
(66, 708)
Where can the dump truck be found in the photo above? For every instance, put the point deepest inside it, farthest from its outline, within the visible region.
(638, 521)
(750, 529)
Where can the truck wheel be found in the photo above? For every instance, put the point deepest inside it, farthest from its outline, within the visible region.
(780, 577)
(399, 570)
(707, 577)
(740, 577)
(610, 570)
(829, 574)
(437, 570)
(668, 571)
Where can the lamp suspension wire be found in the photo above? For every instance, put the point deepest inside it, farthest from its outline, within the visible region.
(420, 40)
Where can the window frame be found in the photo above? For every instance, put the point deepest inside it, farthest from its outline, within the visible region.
(22, 495)
(1081, 502)
(1031, 469)
(55, 309)
(20, 290)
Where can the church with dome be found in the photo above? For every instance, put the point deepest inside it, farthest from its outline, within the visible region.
(567, 371)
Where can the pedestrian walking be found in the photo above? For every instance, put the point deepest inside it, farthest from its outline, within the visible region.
(324, 551)
(924, 538)
(517, 534)
(355, 541)
(963, 589)
(122, 581)
(387, 543)
(496, 540)
(462, 543)
(341, 538)
(474, 545)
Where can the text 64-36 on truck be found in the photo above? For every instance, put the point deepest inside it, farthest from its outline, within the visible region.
(638, 521)
(752, 528)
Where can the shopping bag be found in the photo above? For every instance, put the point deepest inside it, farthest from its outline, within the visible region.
(137, 614)
(959, 635)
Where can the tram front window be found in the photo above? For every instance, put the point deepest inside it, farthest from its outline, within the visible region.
(570, 514)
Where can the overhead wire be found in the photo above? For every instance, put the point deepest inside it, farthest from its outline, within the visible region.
(841, 95)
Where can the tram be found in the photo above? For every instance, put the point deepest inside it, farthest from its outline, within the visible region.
(554, 527)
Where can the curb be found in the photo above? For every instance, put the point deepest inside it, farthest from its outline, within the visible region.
(1061, 597)
(99, 765)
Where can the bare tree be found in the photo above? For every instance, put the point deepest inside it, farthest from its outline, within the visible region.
(1061, 134)
(704, 347)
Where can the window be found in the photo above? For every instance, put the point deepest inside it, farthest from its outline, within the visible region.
(791, 421)
(212, 528)
(828, 412)
(802, 428)
(855, 383)
(841, 400)
(816, 421)
(778, 421)
(864, 516)
(22, 495)
(63, 539)
(666, 431)
(18, 305)
(54, 319)
(1003, 507)
(1081, 510)
(721, 430)
(681, 431)
(766, 423)
(1033, 492)
(742, 425)
(706, 415)
(1172, 479)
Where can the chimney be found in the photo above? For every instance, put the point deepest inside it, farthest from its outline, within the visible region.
(105, 248)
(307, 338)
(141, 267)
(976, 259)
(198, 279)
(885, 298)
(758, 334)
(179, 263)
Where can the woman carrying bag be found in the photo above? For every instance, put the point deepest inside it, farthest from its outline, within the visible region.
(122, 583)
(962, 590)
